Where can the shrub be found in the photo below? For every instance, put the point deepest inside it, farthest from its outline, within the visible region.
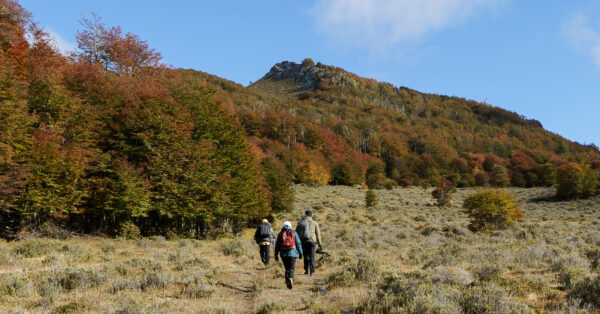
(361, 269)
(15, 285)
(491, 209)
(34, 248)
(568, 276)
(588, 291)
(486, 298)
(271, 306)
(405, 182)
(570, 181)
(129, 230)
(197, 289)
(397, 293)
(451, 275)
(389, 184)
(154, 279)
(443, 193)
(371, 198)
(72, 279)
(236, 248)
(308, 62)
(593, 255)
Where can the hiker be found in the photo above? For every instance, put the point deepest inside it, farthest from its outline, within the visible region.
(264, 237)
(310, 236)
(289, 247)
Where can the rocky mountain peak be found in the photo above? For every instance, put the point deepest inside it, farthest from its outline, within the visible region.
(305, 73)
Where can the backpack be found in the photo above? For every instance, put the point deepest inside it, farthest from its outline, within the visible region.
(264, 231)
(288, 240)
(303, 230)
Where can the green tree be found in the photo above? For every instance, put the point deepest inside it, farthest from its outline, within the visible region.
(590, 182)
(499, 176)
(491, 209)
(547, 175)
(375, 177)
(129, 195)
(280, 185)
(343, 174)
(570, 179)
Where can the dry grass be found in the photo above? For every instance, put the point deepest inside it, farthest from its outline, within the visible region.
(529, 267)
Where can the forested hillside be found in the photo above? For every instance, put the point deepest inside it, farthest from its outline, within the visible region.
(328, 126)
(109, 140)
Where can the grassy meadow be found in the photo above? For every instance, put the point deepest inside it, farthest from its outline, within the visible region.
(402, 255)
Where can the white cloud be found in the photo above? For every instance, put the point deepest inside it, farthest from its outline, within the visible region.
(582, 35)
(63, 46)
(380, 23)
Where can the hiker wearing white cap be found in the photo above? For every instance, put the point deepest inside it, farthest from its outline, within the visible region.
(288, 246)
(264, 237)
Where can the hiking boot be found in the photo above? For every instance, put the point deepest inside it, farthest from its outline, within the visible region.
(306, 272)
(312, 274)
(289, 283)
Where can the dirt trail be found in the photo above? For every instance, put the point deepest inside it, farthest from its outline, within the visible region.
(260, 285)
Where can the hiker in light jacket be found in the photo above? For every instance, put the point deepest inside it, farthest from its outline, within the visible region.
(310, 236)
(264, 237)
(288, 253)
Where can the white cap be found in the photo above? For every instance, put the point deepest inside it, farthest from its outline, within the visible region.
(287, 223)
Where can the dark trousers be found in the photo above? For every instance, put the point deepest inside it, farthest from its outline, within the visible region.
(289, 263)
(265, 252)
(309, 249)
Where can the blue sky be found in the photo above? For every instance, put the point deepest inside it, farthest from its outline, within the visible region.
(538, 58)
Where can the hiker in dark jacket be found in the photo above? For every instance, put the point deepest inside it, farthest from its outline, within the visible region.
(310, 236)
(289, 249)
(264, 237)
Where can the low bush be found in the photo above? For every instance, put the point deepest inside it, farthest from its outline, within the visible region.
(354, 270)
(451, 276)
(236, 248)
(73, 278)
(412, 292)
(129, 230)
(443, 193)
(154, 279)
(371, 198)
(488, 298)
(491, 209)
(271, 306)
(34, 248)
(196, 286)
(15, 285)
(588, 291)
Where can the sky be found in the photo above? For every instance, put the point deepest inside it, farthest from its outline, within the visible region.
(539, 58)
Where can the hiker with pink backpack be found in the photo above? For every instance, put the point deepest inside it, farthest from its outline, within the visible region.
(289, 247)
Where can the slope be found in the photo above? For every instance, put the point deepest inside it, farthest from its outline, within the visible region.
(323, 114)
